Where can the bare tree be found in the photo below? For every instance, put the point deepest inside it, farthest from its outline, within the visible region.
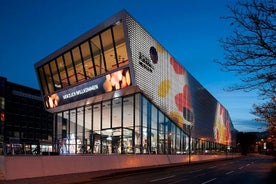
(250, 52)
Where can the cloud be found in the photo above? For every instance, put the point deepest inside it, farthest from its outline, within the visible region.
(249, 125)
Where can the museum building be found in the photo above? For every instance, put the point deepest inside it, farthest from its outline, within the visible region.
(116, 90)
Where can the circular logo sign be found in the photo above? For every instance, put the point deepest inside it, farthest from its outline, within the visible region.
(153, 55)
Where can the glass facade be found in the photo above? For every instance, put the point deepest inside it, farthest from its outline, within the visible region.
(102, 53)
(113, 127)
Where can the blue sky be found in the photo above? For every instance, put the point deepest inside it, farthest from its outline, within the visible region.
(189, 29)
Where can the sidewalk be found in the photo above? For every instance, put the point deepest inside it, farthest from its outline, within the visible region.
(86, 177)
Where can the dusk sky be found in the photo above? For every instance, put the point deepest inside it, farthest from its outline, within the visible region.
(189, 29)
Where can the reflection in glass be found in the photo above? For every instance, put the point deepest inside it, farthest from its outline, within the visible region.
(119, 38)
(128, 140)
(137, 123)
(42, 81)
(57, 83)
(128, 112)
(109, 54)
(73, 137)
(97, 55)
(63, 74)
(172, 135)
(66, 121)
(81, 76)
(49, 79)
(116, 112)
(103, 52)
(153, 129)
(81, 143)
(161, 147)
(106, 114)
(70, 68)
(87, 60)
(145, 125)
(90, 129)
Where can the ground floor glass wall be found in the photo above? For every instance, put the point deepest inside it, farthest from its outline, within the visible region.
(130, 124)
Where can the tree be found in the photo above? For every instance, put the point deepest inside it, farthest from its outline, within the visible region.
(250, 52)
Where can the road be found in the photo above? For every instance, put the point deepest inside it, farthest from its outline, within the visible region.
(250, 169)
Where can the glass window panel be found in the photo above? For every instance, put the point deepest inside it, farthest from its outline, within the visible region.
(96, 128)
(70, 68)
(107, 141)
(128, 141)
(81, 145)
(119, 38)
(106, 112)
(177, 141)
(49, 78)
(128, 112)
(42, 81)
(109, 53)
(59, 126)
(161, 133)
(87, 131)
(57, 83)
(173, 135)
(78, 64)
(96, 141)
(76, 55)
(153, 129)
(145, 131)
(73, 136)
(138, 145)
(166, 129)
(116, 112)
(187, 144)
(97, 54)
(60, 132)
(63, 76)
(88, 65)
(97, 117)
(67, 124)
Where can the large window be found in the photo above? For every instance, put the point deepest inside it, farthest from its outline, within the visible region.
(116, 112)
(87, 60)
(128, 125)
(103, 52)
(106, 114)
(62, 72)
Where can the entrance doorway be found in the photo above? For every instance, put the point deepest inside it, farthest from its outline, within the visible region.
(114, 141)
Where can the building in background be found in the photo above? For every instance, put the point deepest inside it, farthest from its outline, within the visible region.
(26, 128)
(115, 89)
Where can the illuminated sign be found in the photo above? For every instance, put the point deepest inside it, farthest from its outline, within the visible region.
(110, 82)
(80, 92)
